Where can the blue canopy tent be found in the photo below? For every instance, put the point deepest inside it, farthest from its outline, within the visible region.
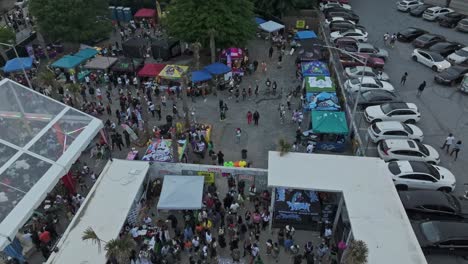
(306, 34)
(15, 250)
(200, 76)
(217, 68)
(259, 20)
(68, 62)
(17, 64)
(87, 53)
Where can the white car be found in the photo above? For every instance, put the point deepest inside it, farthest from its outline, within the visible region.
(420, 175)
(358, 71)
(435, 12)
(458, 56)
(395, 111)
(367, 83)
(331, 4)
(394, 130)
(356, 34)
(407, 5)
(433, 60)
(407, 149)
(333, 19)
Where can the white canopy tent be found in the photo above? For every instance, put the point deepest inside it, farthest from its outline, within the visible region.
(105, 210)
(374, 208)
(181, 193)
(40, 139)
(271, 26)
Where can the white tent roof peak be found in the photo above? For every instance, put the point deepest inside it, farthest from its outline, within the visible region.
(271, 26)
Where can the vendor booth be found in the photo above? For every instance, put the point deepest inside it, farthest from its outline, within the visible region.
(151, 70)
(200, 82)
(271, 26)
(86, 53)
(176, 196)
(321, 93)
(171, 77)
(314, 68)
(165, 49)
(332, 129)
(259, 20)
(161, 150)
(18, 64)
(234, 58)
(218, 69)
(100, 63)
(127, 65)
(306, 34)
(68, 62)
(311, 50)
(146, 13)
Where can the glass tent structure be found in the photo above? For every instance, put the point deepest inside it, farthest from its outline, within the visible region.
(40, 139)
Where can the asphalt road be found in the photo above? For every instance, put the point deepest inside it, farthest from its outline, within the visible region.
(444, 109)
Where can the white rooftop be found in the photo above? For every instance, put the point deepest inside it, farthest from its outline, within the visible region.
(105, 209)
(375, 211)
(40, 139)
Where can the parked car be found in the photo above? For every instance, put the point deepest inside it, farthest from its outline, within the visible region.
(344, 26)
(327, 11)
(408, 150)
(357, 34)
(450, 19)
(395, 111)
(459, 56)
(366, 84)
(410, 34)
(432, 205)
(331, 4)
(375, 97)
(342, 13)
(394, 130)
(407, 5)
(420, 175)
(340, 1)
(462, 25)
(431, 59)
(373, 62)
(359, 71)
(427, 40)
(452, 75)
(433, 13)
(343, 42)
(442, 237)
(419, 10)
(366, 48)
(445, 48)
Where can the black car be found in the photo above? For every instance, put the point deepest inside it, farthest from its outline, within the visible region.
(418, 11)
(433, 205)
(409, 34)
(427, 40)
(336, 9)
(376, 97)
(445, 48)
(344, 26)
(452, 75)
(443, 237)
(346, 15)
(450, 19)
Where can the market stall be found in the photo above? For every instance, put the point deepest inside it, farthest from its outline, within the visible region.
(305, 34)
(171, 77)
(200, 81)
(310, 50)
(127, 65)
(161, 150)
(314, 68)
(271, 26)
(86, 53)
(146, 14)
(18, 64)
(176, 196)
(151, 70)
(321, 93)
(332, 129)
(100, 63)
(234, 59)
(66, 67)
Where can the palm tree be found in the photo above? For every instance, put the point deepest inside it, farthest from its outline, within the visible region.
(119, 249)
(74, 89)
(284, 147)
(356, 253)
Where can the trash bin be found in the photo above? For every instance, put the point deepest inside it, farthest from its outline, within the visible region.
(244, 154)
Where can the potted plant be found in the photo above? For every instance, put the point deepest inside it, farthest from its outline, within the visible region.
(118, 250)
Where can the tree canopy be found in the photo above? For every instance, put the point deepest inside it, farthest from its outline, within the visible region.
(279, 8)
(7, 35)
(193, 20)
(72, 20)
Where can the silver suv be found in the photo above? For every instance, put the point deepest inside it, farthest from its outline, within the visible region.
(463, 25)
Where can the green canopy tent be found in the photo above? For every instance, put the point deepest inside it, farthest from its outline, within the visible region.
(127, 65)
(68, 62)
(333, 128)
(87, 53)
(318, 84)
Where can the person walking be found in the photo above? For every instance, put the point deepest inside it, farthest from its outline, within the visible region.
(270, 52)
(249, 117)
(403, 78)
(393, 39)
(256, 90)
(151, 108)
(280, 59)
(256, 117)
(127, 138)
(236, 94)
(386, 37)
(421, 88)
(175, 111)
(238, 135)
(244, 94)
(456, 149)
(158, 111)
(264, 67)
(220, 158)
(448, 142)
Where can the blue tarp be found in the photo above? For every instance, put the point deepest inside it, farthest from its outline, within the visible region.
(87, 53)
(68, 62)
(306, 34)
(259, 20)
(217, 68)
(17, 64)
(200, 76)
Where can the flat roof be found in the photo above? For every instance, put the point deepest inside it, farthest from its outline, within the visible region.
(105, 209)
(375, 211)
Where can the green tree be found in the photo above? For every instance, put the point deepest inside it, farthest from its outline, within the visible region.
(72, 20)
(356, 253)
(6, 36)
(276, 8)
(197, 21)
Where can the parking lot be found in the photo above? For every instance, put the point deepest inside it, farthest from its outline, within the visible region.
(443, 109)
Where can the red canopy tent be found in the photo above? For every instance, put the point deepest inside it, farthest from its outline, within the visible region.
(145, 13)
(151, 70)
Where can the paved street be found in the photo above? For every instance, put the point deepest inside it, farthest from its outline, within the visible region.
(443, 108)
